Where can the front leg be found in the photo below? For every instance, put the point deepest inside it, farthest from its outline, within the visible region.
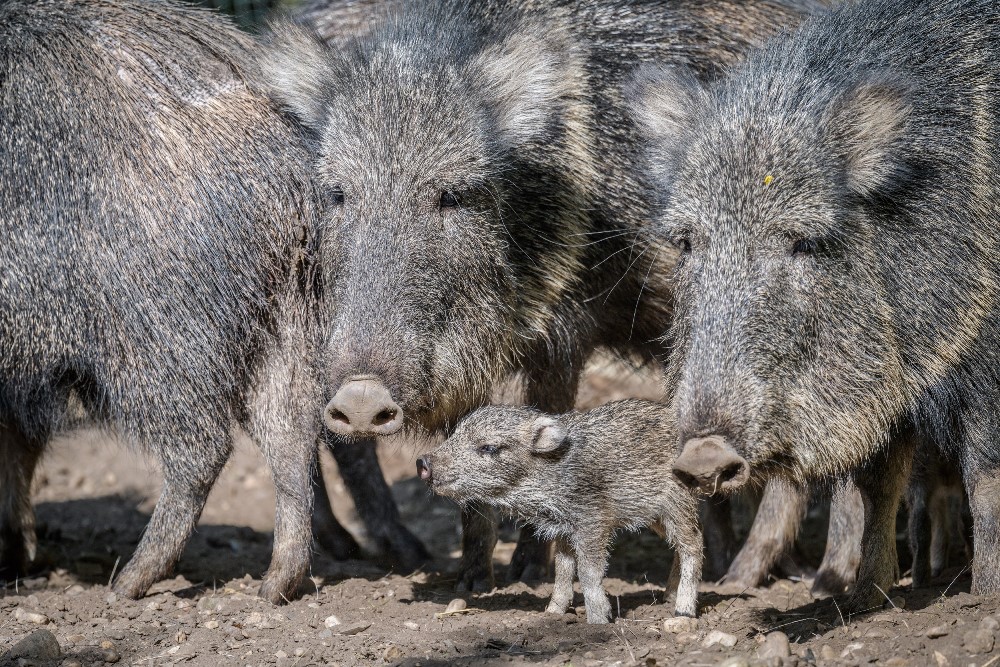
(775, 526)
(362, 475)
(592, 563)
(839, 569)
(479, 538)
(562, 591)
(881, 482)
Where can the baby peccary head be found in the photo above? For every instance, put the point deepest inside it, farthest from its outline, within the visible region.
(421, 129)
(502, 455)
(576, 478)
(772, 192)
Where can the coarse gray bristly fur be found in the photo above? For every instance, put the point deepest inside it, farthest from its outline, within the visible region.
(157, 212)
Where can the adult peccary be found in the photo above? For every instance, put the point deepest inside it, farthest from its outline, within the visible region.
(156, 212)
(485, 170)
(835, 205)
(577, 478)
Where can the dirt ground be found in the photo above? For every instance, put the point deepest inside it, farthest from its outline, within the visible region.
(93, 499)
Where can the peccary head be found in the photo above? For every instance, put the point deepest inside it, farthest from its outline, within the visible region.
(425, 285)
(774, 188)
(498, 454)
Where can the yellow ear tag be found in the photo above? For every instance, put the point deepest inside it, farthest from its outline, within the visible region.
(768, 179)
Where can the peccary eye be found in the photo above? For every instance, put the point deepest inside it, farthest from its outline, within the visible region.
(337, 196)
(804, 247)
(683, 244)
(488, 450)
(448, 200)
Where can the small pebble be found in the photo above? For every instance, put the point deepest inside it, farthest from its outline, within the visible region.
(211, 625)
(111, 598)
(723, 639)
(978, 641)
(775, 645)
(392, 653)
(458, 604)
(280, 654)
(71, 662)
(110, 656)
(30, 617)
(678, 624)
(75, 639)
(410, 625)
(827, 652)
(686, 638)
(735, 661)
(354, 628)
(331, 621)
(107, 645)
(940, 659)
(989, 623)
(897, 662)
(39, 645)
(937, 631)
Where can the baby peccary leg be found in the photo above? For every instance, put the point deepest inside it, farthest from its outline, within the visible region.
(839, 569)
(20, 454)
(773, 532)
(188, 477)
(881, 482)
(592, 563)
(565, 565)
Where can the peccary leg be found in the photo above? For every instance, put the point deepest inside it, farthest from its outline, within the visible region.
(779, 516)
(717, 524)
(941, 519)
(479, 538)
(562, 591)
(984, 501)
(360, 470)
(592, 563)
(839, 569)
(691, 558)
(18, 543)
(189, 472)
(920, 527)
(881, 483)
(332, 536)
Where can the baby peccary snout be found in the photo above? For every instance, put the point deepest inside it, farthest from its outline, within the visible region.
(541, 468)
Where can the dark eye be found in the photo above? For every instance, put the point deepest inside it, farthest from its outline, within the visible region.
(683, 244)
(804, 247)
(337, 196)
(448, 200)
(488, 450)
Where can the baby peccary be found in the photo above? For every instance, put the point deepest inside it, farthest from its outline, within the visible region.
(836, 201)
(153, 210)
(576, 478)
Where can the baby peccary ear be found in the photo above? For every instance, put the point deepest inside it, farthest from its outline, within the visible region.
(547, 436)
(865, 128)
(294, 69)
(530, 78)
(663, 101)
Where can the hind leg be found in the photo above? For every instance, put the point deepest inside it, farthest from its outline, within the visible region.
(190, 465)
(773, 532)
(20, 455)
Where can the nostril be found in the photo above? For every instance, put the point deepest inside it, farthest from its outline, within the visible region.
(731, 471)
(384, 417)
(686, 478)
(338, 416)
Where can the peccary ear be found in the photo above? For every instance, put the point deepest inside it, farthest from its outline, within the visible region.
(865, 127)
(547, 436)
(663, 101)
(529, 77)
(293, 67)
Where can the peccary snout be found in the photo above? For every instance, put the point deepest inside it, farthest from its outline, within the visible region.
(424, 469)
(710, 465)
(363, 407)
